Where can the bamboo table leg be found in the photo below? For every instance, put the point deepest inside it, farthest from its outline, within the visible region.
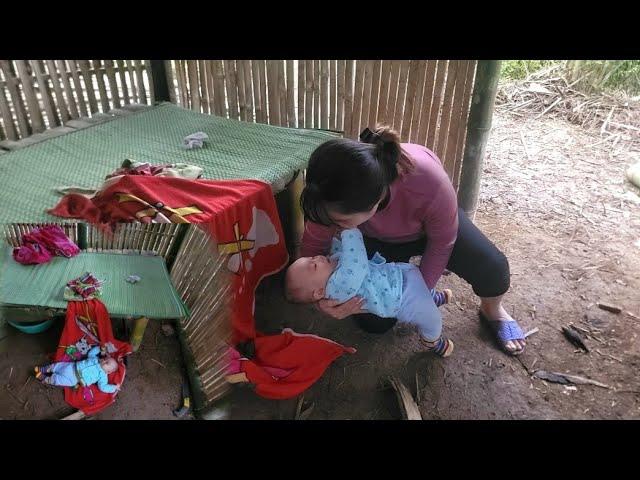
(138, 332)
(296, 223)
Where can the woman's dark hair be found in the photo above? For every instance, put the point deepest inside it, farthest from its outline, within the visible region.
(351, 176)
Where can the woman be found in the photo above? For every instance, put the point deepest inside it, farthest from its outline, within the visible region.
(402, 200)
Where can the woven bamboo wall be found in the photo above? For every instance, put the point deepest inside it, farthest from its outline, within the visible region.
(204, 283)
(40, 94)
(427, 101)
(13, 232)
(157, 238)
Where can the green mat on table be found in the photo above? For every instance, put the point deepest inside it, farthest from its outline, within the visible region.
(234, 150)
(43, 285)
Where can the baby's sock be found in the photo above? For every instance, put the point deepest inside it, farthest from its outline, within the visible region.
(443, 297)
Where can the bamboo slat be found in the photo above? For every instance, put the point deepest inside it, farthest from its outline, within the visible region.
(291, 94)
(33, 106)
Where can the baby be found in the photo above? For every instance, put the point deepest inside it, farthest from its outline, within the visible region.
(83, 372)
(389, 289)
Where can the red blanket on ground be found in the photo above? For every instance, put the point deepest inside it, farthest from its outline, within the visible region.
(242, 218)
(88, 324)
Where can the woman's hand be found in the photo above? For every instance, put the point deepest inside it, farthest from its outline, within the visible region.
(341, 310)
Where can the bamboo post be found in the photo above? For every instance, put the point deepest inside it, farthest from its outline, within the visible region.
(478, 127)
(138, 332)
(85, 69)
(316, 94)
(308, 99)
(159, 81)
(301, 89)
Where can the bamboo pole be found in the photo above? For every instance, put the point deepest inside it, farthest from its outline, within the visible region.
(210, 86)
(366, 94)
(130, 76)
(257, 91)
(60, 101)
(324, 94)
(121, 70)
(440, 148)
(282, 93)
(384, 91)
(341, 95)
(394, 83)
(262, 68)
(218, 91)
(85, 70)
(308, 101)
(272, 87)
(316, 93)
(77, 85)
(333, 79)
(203, 80)
(412, 135)
(400, 100)
(7, 119)
(479, 126)
(104, 99)
(374, 101)
(232, 90)
(348, 98)
(291, 94)
(16, 100)
(242, 101)
(435, 104)
(194, 87)
(142, 93)
(248, 91)
(427, 98)
(301, 90)
(113, 84)
(357, 99)
(37, 123)
(463, 122)
(455, 124)
(412, 81)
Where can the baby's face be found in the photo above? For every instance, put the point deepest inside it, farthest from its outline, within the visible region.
(312, 273)
(109, 365)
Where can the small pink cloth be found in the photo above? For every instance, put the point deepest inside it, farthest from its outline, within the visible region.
(41, 243)
(31, 254)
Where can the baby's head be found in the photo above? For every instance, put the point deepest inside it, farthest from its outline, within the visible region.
(108, 364)
(307, 278)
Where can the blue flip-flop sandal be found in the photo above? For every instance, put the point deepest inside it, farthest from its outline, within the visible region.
(503, 332)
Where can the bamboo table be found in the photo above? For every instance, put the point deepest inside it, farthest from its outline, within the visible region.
(41, 287)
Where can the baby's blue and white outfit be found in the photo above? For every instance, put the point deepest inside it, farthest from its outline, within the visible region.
(84, 372)
(389, 289)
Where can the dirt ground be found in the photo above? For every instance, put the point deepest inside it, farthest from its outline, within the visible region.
(152, 387)
(554, 198)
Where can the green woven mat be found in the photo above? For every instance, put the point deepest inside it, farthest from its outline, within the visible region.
(43, 285)
(235, 150)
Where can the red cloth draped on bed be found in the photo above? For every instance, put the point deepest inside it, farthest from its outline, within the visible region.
(242, 218)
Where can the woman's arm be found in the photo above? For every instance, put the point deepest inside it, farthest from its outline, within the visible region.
(441, 227)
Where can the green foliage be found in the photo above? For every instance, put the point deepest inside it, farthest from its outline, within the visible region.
(521, 69)
(589, 75)
(608, 75)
